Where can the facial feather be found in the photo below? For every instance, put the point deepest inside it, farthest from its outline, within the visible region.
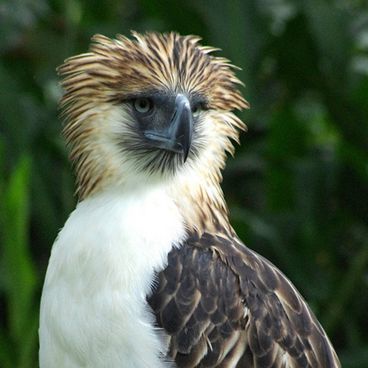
(101, 130)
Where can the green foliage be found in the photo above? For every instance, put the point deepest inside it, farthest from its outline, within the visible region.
(297, 188)
(18, 277)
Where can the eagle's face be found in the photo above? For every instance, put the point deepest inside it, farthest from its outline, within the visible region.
(162, 129)
(145, 108)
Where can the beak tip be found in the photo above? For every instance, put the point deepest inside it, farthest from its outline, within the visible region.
(186, 154)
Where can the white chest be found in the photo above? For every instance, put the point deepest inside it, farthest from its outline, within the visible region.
(93, 308)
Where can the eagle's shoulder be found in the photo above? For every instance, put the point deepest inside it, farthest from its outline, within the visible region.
(222, 304)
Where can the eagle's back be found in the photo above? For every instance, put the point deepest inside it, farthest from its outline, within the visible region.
(224, 305)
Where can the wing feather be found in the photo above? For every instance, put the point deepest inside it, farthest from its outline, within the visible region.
(223, 305)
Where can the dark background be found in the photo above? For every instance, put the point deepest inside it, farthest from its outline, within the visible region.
(297, 188)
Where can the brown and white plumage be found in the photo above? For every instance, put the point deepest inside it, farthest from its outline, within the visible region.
(224, 305)
(156, 111)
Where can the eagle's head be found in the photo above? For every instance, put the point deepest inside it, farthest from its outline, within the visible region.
(148, 109)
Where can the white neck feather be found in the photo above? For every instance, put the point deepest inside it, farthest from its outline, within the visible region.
(93, 309)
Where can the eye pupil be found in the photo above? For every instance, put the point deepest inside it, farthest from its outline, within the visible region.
(142, 105)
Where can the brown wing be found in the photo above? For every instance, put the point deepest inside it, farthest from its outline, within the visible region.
(223, 305)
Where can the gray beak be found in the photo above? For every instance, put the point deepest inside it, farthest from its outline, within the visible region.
(177, 135)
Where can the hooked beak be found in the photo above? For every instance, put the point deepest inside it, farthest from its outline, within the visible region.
(177, 135)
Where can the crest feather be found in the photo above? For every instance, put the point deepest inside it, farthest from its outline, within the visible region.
(115, 67)
(116, 70)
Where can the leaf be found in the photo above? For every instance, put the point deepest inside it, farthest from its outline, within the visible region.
(19, 274)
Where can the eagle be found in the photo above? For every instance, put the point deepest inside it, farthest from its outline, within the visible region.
(148, 271)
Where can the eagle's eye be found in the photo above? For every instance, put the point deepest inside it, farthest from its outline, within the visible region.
(142, 105)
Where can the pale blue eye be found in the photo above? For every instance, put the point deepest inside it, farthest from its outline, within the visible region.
(142, 105)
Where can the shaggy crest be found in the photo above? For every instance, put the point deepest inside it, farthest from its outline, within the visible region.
(117, 70)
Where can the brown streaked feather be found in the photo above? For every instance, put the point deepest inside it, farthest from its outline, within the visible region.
(224, 305)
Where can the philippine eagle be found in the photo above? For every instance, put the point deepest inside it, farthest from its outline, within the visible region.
(147, 271)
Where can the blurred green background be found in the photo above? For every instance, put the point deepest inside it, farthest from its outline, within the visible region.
(297, 188)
